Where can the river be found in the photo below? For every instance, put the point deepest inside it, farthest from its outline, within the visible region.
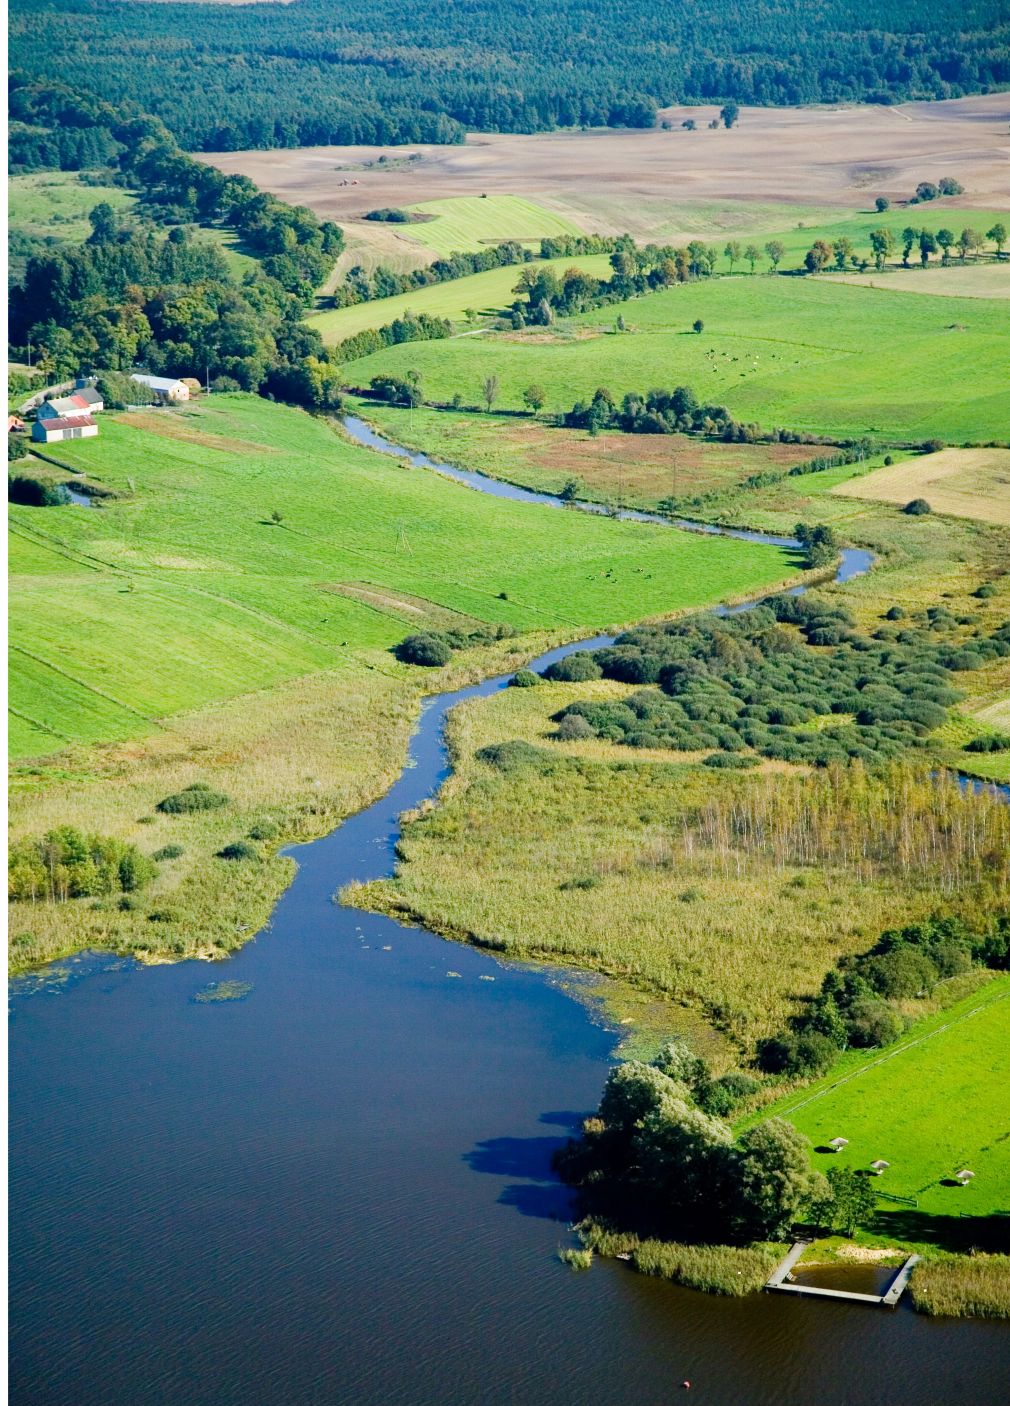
(337, 1189)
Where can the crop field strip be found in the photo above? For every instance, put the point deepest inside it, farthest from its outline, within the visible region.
(470, 222)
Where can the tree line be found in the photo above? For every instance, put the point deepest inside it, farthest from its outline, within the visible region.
(401, 71)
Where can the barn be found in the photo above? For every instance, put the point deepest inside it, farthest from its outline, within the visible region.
(53, 428)
(166, 388)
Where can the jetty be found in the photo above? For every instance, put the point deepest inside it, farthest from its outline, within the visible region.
(780, 1281)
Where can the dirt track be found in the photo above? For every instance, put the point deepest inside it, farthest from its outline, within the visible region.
(819, 156)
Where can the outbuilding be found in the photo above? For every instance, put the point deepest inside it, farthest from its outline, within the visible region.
(167, 389)
(53, 428)
(66, 407)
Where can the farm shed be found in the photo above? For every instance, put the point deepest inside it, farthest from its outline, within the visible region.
(67, 407)
(166, 388)
(54, 428)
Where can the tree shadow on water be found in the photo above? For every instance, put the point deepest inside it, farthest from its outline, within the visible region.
(538, 1193)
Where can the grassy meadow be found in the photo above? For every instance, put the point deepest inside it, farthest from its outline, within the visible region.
(55, 204)
(484, 293)
(932, 1104)
(180, 609)
(803, 353)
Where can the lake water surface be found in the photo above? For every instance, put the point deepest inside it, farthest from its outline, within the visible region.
(337, 1190)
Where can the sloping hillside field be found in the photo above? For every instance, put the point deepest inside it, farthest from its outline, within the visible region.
(223, 565)
(798, 352)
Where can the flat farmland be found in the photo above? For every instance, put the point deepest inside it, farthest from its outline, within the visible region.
(471, 221)
(184, 591)
(815, 158)
(488, 292)
(935, 1103)
(803, 353)
(956, 281)
(973, 483)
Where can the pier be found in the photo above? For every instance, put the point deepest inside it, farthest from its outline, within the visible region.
(779, 1281)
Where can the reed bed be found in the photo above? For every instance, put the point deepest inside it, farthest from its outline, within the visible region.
(963, 1286)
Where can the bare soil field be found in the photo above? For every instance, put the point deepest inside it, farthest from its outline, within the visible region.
(973, 483)
(657, 183)
(955, 281)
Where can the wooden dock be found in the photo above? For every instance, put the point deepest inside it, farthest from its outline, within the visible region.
(777, 1280)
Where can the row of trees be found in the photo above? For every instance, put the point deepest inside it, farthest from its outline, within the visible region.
(842, 253)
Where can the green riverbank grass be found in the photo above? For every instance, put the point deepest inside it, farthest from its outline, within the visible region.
(799, 352)
(715, 1269)
(180, 634)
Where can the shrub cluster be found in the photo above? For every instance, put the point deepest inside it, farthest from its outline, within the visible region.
(676, 411)
(64, 863)
(857, 1003)
(199, 796)
(761, 677)
(433, 648)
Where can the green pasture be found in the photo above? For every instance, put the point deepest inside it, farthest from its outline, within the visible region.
(183, 590)
(467, 222)
(485, 293)
(56, 204)
(804, 353)
(934, 1103)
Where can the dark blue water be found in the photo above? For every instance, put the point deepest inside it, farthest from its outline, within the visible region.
(337, 1189)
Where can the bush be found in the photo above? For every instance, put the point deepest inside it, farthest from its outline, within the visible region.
(994, 742)
(511, 756)
(729, 761)
(264, 830)
(524, 678)
(238, 849)
(169, 852)
(870, 1023)
(801, 1055)
(573, 728)
(199, 796)
(918, 507)
(31, 492)
(986, 591)
(574, 668)
(427, 650)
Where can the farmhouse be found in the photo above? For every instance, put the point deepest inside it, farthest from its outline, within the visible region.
(53, 428)
(166, 388)
(69, 407)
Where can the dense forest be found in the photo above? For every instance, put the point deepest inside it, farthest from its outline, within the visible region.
(311, 72)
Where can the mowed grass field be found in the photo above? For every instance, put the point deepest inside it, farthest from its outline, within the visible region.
(935, 1103)
(973, 483)
(183, 591)
(796, 352)
(488, 292)
(468, 222)
(957, 280)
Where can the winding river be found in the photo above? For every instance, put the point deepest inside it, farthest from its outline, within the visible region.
(336, 1190)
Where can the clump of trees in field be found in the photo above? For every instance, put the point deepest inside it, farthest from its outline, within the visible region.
(859, 1004)
(676, 411)
(433, 648)
(66, 863)
(654, 1162)
(31, 492)
(769, 679)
